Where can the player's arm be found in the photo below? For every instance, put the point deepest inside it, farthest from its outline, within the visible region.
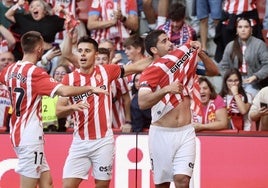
(147, 98)
(64, 109)
(137, 67)
(67, 91)
(211, 69)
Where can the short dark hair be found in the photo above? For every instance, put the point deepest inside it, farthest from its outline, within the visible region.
(135, 41)
(30, 40)
(176, 12)
(88, 39)
(152, 39)
(104, 51)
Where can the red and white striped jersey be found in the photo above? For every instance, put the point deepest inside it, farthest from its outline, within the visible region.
(27, 84)
(179, 65)
(239, 6)
(119, 88)
(102, 9)
(94, 122)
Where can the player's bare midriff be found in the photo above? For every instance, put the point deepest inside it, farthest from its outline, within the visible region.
(177, 117)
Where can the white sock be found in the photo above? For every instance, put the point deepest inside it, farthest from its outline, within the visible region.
(152, 26)
(161, 20)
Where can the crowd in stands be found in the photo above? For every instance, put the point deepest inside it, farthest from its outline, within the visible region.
(241, 54)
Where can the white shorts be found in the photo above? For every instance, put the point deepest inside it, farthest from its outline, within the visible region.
(32, 160)
(84, 153)
(172, 151)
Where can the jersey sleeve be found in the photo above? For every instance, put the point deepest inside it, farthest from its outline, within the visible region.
(113, 71)
(45, 84)
(150, 78)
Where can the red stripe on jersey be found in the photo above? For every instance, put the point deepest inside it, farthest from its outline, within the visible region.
(94, 122)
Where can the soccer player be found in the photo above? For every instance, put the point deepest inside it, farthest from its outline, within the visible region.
(27, 84)
(93, 141)
(166, 87)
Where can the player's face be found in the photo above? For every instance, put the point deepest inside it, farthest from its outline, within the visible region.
(86, 55)
(164, 46)
(204, 93)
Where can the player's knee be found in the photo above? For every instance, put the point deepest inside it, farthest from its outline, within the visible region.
(102, 183)
(182, 181)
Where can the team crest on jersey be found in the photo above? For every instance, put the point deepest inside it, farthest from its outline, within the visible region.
(98, 77)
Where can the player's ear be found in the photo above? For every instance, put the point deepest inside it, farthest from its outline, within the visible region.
(153, 50)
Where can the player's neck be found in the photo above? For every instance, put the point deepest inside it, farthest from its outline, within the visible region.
(30, 58)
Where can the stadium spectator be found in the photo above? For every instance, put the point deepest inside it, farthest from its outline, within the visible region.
(237, 100)
(140, 119)
(158, 17)
(204, 10)
(176, 28)
(51, 122)
(265, 24)
(4, 6)
(259, 110)
(179, 32)
(103, 57)
(6, 58)
(214, 113)
(113, 20)
(134, 49)
(38, 19)
(249, 55)
(226, 29)
(7, 40)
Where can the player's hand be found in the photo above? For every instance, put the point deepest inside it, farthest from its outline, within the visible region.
(197, 126)
(80, 106)
(98, 90)
(175, 87)
(196, 44)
